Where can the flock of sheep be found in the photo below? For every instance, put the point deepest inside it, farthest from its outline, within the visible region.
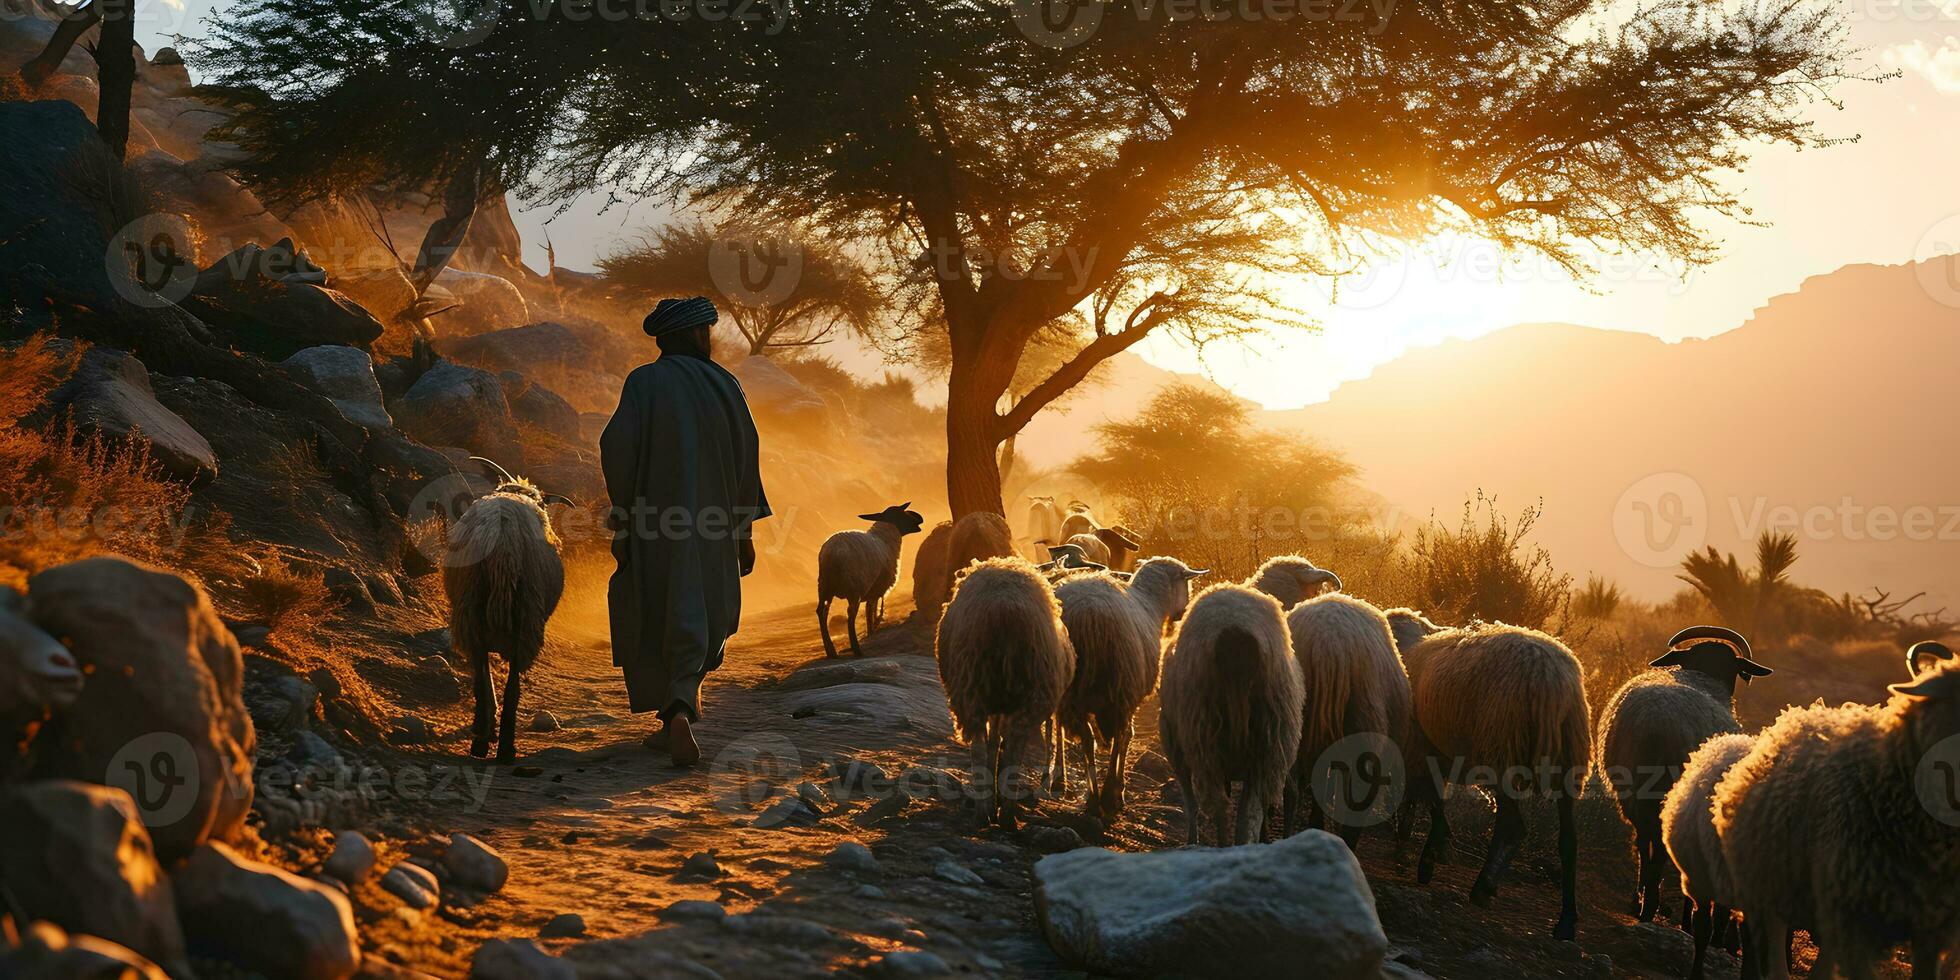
(1820, 822)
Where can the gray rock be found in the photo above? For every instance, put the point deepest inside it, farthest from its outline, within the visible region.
(77, 855)
(311, 750)
(693, 908)
(410, 730)
(110, 394)
(542, 407)
(1052, 839)
(413, 884)
(518, 959)
(957, 874)
(251, 307)
(352, 858)
(787, 811)
(474, 864)
(568, 925)
(701, 863)
(1256, 909)
(780, 928)
(911, 963)
(46, 951)
(453, 405)
(545, 721)
(524, 349)
(890, 806)
(852, 856)
(812, 796)
(264, 919)
(856, 777)
(345, 375)
(868, 891)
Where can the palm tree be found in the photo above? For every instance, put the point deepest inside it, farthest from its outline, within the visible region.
(1749, 601)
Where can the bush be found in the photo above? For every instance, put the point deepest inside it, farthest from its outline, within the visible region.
(1483, 570)
(1600, 599)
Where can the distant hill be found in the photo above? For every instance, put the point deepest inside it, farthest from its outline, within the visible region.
(1833, 408)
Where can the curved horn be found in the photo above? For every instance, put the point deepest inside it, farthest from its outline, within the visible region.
(1322, 576)
(1925, 650)
(1711, 633)
(493, 465)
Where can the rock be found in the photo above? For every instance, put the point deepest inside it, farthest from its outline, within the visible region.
(812, 795)
(45, 951)
(77, 855)
(1256, 909)
(868, 892)
(345, 375)
(852, 856)
(518, 959)
(693, 908)
(253, 305)
(856, 777)
(957, 874)
(453, 405)
(523, 349)
(384, 292)
(787, 811)
(54, 223)
(890, 806)
(110, 394)
(413, 884)
(545, 721)
(911, 963)
(780, 928)
(352, 858)
(312, 751)
(163, 714)
(701, 863)
(442, 681)
(410, 730)
(474, 864)
(540, 406)
(774, 391)
(263, 919)
(1050, 839)
(566, 926)
(488, 303)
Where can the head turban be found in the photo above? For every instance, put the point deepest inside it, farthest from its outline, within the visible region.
(672, 315)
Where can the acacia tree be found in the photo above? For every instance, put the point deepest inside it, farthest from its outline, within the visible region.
(828, 289)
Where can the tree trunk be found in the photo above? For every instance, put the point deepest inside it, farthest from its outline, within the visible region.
(115, 59)
(445, 236)
(72, 27)
(973, 482)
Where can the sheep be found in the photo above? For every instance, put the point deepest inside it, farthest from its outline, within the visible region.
(1044, 523)
(1105, 546)
(1494, 703)
(1066, 559)
(932, 582)
(503, 578)
(1846, 822)
(1924, 654)
(1292, 579)
(1355, 685)
(1410, 628)
(1230, 709)
(1004, 660)
(1078, 520)
(1655, 721)
(977, 537)
(1688, 832)
(1117, 630)
(860, 567)
(37, 674)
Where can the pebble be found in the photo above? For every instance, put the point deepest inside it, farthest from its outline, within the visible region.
(859, 777)
(410, 730)
(912, 963)
(412, 884)
(563, 926)
(474, 864)
(693, 908)
(787, 811)
(312, 750)
(890, 806)
(518, 959)
(852, 856)
(955, 873)
(812, 795)
(868, 892)
(545, 721)
(352, 859)
(1050, 839)
(701, 863)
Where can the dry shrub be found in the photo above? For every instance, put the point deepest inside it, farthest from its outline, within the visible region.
(293, 602)
(1483, 569)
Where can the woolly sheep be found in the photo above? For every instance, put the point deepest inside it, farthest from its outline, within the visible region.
(1493, 703)
(1117, 630)
(859, 567)
(932, 581)
(503, 577)
(1292, 579)
(1355, 685)
(1044, 523)
(1105, 546)
(1230, 709)
(977, 537)
(1065, 559)
(1410, 628)
(1924, 654)
(1688, 831)
(1846, 822)
(1655, 721)
(37, 673)
(1004, 660)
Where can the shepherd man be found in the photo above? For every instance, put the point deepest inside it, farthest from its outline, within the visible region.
(680, 462)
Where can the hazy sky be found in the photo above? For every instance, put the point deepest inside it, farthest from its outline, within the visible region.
(1887, 198)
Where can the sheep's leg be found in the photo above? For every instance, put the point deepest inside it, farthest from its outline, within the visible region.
(1505, 836)
(823, 626)
(983, 776)
(1219, 810)
(1112, 786)
(1183, 774)
(1653, 864)
(1687, 915)
(1289, 808)
(486, 704)
(1568, 857)
(1926, 956)
(507, 729)
(1699, 929)
(1252, 814)
(851, 625)
(1057, 741)
(1091, 800)
(1437, 846)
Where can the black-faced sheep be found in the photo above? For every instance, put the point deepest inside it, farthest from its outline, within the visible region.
(1846, 822)
(1355, 685)
(1502, 708)
(37, 675)
(1004, 660)
(1106, 546)
(503, 577)
(1292, 579)
(1230, 709)
(859, 567)
(1655, 721)
(1117, 630)
(932, 581)
(1688, 832)
(1924, 654)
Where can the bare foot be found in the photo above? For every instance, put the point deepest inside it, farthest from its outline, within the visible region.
(680, 741)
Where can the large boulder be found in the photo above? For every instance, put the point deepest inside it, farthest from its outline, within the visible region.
(270, 301)
(1252, 910)
(263, 919)
(540, 406)
(346, 376)
(45, 951)
(772, 391)
(58, 185)
(77, 855)
(110, 394)
(162, 715)
(453, 405)
(522, 349)
(487, 303)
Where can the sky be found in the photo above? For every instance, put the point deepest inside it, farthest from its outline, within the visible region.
(1890, 197)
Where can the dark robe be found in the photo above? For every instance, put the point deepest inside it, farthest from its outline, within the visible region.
(680, 462)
